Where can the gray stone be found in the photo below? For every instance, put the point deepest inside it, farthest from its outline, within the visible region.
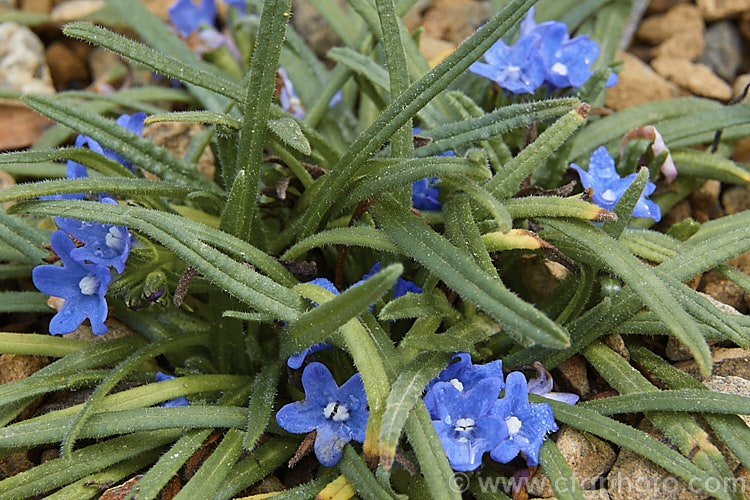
(22, 64)
(588, 456)
(727, 361)
(722, 50)
(730, 385)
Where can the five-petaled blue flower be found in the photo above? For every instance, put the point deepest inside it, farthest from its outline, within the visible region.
(464, 424)
(464, 376)
(82, 286)
(337, 414)
(174, 402)
(608, 187)
(527, 423)
(544, 53)
(103, 244)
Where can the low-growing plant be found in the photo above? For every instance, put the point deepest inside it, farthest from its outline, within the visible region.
(331, 282)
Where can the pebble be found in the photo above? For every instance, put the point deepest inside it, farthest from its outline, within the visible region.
(22, 64)
(723, 290)
(455, 20)
(682, 18)
(434, 49)
(634, 477)
(573, 371)
(704, 201)
(723, 50)
(727, 361)
(719, 9)
(738, 88)
(695, 77)
(116, 330)
(74, 10)
(588, 457)
(736, 199)
(175, 137)
(687, 45)
(539, 276)
(36, 6)
(730, 385)
(638, 84)
(68, 67)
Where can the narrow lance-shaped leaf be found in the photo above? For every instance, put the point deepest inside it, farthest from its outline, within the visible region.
(258, 94)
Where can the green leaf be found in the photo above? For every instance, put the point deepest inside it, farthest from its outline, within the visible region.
(189, 240)
(626, 205)
(28, 434)
(506, 181)
(321, 322)
(83, 156)
(405, 393)
(288, 132)
(158, 61)
(712, 166)
(418, 305)
(207, 117)
(261, 404)
(641, 279)
(23, 238)
(33, 344)
(688, 400)
(550, 206)
(463, 275)
(132, 188)
(59, 472)
(212, 472)
(32, 302)
(359, 476)
(130, 146)
(559, 473)
(152, 482)
(361, 65)
(255, 114)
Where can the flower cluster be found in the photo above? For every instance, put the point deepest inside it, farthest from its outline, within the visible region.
(336, 414)
(84, 277)
(608, 187)
(470, 419)
(544, 54)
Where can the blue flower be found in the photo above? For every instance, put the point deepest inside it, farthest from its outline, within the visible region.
(337, 414)
(464, 376)
(527, 424)
(608, 187)
(424, 194)
(132, 123)
(174, 402)
(188, 17)
(464, 424)
(82, 286)
(402, 286)
(518, 68)
(103, 244)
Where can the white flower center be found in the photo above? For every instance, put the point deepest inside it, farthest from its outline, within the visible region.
(513, 69)
(464, 424)
(457, 384)
(609, 195)
(514, 425)
(336, 411)
(115, 238)
(559, 68)
(89, 284)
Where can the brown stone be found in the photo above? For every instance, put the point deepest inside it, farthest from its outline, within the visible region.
(682, 18)
(719, 9)
(723, 290)
(726, 362)
(20, 126)
(638, 84)
(15, 463)
(158, 7)
(736, 199)
(36, 6)
(738, 88)
(66, 66)
(573, 371)
(588, 456)
(687, 45)
(617, 344)
(744, 24)
(434, 49)
(730, 385)
(116, 330)
(73, 10)
(175, 137)
(695, 77)
(122, 491)
(19, 366)
(704, 201)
